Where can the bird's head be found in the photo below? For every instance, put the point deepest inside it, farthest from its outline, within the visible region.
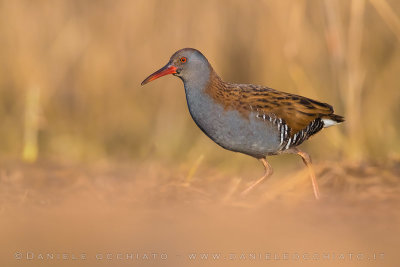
(186, 63)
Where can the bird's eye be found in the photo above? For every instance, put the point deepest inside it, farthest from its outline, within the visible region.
(183, 59)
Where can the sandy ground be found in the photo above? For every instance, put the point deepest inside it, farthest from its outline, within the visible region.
(149, 214)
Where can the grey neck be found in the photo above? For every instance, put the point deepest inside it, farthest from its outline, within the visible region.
(197, 79)
(200, 104)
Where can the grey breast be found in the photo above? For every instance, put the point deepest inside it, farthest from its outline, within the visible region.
(230, 129)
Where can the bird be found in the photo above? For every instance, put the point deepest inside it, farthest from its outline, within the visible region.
(250, 119)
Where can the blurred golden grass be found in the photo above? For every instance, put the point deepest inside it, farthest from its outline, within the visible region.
(89, 57)
(70, 91)
(118, 207)
(153, 184)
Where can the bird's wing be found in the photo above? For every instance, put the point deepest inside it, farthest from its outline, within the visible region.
(297, 111)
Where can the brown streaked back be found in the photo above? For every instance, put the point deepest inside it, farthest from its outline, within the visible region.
(297, 111)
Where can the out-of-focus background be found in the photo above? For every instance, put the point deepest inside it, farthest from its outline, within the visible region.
(71, 72)
(80, 136)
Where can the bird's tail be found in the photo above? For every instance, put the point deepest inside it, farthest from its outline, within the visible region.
(332, 119)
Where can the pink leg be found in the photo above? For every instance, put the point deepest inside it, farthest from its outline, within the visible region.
(307, 161)
(268, 172)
